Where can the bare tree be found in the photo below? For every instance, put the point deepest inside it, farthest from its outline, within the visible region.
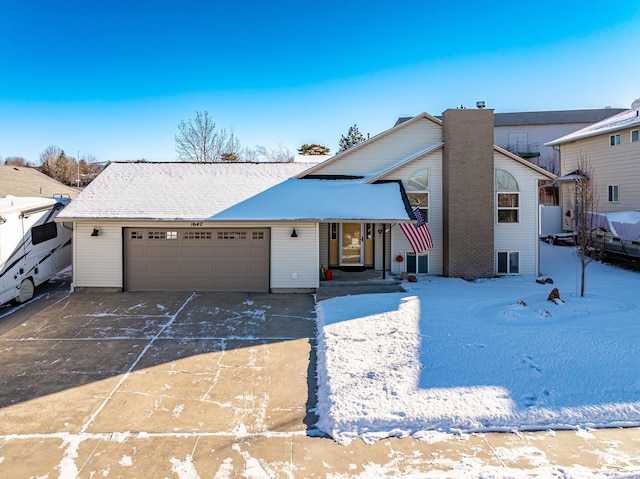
(48, 159)
(249, 155)
(230, 147)
(17, 161)
(194, 140)
(88, 169)
(553, 162)
(585, 202)
(199, 141)
(280, 154)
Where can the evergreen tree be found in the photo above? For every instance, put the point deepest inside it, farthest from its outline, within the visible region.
(313, 149)
(353, 138)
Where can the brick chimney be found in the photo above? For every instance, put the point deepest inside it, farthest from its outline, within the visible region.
(468, 193)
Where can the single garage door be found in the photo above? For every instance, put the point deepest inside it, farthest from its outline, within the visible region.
(196, 259)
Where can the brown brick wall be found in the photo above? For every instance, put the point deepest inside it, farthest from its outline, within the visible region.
(468, 196)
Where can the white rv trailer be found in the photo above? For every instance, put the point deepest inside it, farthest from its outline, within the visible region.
(33, 247)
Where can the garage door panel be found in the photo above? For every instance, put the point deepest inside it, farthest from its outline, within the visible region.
(232, 267)
(162, 251)
(197, 259)
(162, 267)
(258, 268)
(196, 267)
(255, 252)
(232, 251)
(197, 251)
(137, 251)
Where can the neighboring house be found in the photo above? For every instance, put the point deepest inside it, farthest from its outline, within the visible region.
(612, 147)
(526, 133)
(271, 227)
(26, 181)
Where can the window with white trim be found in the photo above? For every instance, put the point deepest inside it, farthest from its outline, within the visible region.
(417, 188)
(417, 264)
(507, 198)
(613, 193)
(508, 262)
(615, 139)
(634, 136)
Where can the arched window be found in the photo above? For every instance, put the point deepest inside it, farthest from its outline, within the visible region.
(508, 197)
(417, 191)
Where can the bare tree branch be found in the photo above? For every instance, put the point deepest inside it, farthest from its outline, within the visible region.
(585, 202)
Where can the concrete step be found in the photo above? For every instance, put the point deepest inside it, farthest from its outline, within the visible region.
(367, 282)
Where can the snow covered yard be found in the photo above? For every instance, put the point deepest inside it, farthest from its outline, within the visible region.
(454, 356)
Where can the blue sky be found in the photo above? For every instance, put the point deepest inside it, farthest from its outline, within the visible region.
(113, 78)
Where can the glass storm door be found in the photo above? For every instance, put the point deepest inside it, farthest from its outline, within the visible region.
(350, 243)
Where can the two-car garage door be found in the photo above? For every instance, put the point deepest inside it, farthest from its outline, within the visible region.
(161, 259)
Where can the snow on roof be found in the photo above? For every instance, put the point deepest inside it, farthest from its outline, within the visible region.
(312, 199)
(621, 121)
(168, 191)
(11, 204)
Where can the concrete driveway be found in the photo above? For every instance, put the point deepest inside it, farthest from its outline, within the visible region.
(219, 385)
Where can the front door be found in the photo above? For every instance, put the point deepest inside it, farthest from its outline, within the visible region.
(351, 244)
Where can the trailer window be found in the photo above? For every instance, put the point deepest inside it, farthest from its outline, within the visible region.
(42, 233)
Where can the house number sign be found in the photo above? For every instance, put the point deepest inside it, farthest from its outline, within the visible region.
(196, 223)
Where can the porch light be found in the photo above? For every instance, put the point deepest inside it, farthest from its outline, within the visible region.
(95, 232)
(294, 234)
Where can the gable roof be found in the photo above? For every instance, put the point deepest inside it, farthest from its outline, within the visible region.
(370, 141)
(621, 121)
(323, 200)
(405, 161)
(174, 191)
(26, 181)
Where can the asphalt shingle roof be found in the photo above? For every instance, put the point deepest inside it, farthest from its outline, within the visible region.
(168, 191)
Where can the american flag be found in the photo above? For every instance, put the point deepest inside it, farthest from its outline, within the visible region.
(418, 233)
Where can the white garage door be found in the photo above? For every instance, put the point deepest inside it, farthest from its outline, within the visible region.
(159, 259)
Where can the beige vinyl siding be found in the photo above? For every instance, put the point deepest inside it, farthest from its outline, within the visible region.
(400, 244)
(387, 150)
(521, 237)
(97, 260)
(377, 260)
(611, 165)
(292, 257)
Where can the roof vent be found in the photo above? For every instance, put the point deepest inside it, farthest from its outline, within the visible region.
(480, 104)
